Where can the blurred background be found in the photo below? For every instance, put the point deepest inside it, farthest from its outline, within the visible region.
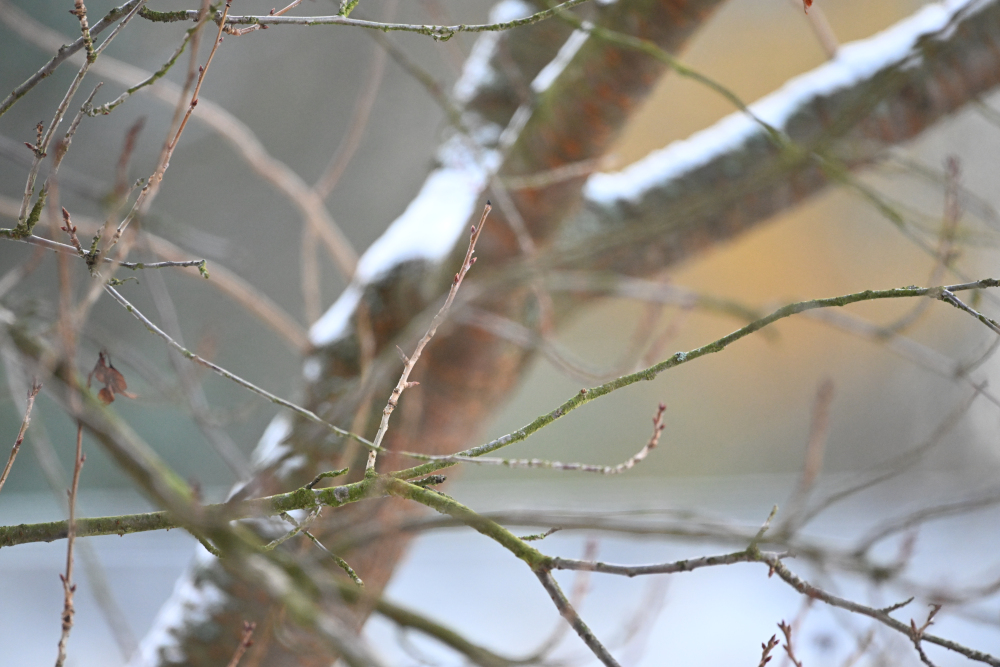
(737, 422)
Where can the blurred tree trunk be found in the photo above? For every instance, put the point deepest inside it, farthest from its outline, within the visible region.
(467, 372)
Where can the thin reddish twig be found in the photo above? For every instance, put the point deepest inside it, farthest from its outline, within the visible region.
(246, 641)
(411, 361)
(69, 588)
(35, 388)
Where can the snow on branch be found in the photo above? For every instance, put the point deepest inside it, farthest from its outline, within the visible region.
(876, 92)
(426, 231)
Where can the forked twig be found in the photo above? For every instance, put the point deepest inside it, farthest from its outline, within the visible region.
(786, 630)
(64, 52)
(807, 589)
(581, 586)
(766, 648)
(411, 361)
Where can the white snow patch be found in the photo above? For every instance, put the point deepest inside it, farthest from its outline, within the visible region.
(477, 71)
(550, 72)
(298, 515)
(430, 225)
(190, 603)
(510, 10)
(291, 464)
(270, 448)
(514, 127)
(334, 322)
(427, 230)
(311, 369)
(854, 62)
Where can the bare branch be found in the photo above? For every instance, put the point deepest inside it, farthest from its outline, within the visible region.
(677, 359)
(308, 414)
(240, 138)
(686, 565)
(778, 567)
(658, 426)
(64, 52)
(69, 588)
(255, 302)
(567, 611)
(246, 641)
(440, 32)
(411, 361)
(35, 388)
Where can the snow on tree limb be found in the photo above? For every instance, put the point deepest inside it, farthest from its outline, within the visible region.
(876, 93)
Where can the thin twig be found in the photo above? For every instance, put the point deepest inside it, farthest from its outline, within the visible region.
(917, 634)
(944, 255)
(192, 391)
(341, 563)
(239, 137)
(108, 107)
(822, 29)
(441, 32)
(786, 630)
(581, 586)
(897, 465)
(152, 186)
(819, 432)
(658, 426)
(49, 244)
(311, 416)
(335, 169)
(69, 588)
(567, 611)
(686, 565)
(246, 641)
(411, 361)
(349, 143)
(297, 528)
(64, 52)
(766, 648)
(948, 297)
(43, 143)
(103, 244)
(677, 359)
(35, 388)
(12, 278)
(230, 284)
(805, 588)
